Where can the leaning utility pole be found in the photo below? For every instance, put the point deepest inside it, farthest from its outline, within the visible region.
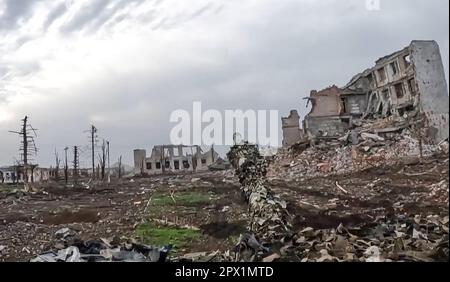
(28, 146)
(93, 137)
(66, 167)
(109, 168)
(76, 163)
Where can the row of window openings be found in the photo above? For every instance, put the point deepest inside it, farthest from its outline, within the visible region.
(399, 90)
(176, 153)
(176, 164)
(394, 68)
(7, 176)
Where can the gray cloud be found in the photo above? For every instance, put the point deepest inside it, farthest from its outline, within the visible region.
(86, 16)
(96, 14)
(227, 54)
(54, 14)
(15, 10)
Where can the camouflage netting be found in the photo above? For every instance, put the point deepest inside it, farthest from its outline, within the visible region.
(269, 217)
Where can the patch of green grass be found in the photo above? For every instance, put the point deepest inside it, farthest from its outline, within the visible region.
(160, 236)
(9, 187)
(182, 199)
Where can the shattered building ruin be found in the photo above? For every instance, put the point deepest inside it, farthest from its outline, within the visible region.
(174, 158)
(15, 174)
(407, 83)
(291, 129)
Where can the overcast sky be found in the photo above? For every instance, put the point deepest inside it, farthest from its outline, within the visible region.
(125, 65)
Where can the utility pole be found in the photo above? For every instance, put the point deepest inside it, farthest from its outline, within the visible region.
(93, 137)
(25, 143)
(109, 168)
(76, 163)
(66, 167)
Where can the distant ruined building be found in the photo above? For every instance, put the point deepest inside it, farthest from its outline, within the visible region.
(173, 159)
(404, 84)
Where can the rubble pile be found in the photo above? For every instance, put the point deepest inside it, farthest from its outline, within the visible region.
(398, 239)
(371, 144)
(72, 249)
(269, 217)
(439, 191)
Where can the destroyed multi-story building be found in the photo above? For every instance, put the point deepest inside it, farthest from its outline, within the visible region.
(403, 84)
(174, 159)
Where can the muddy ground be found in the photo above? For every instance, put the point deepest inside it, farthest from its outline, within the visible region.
(209, 206)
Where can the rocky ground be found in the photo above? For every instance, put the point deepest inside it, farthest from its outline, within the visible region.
(206, 212)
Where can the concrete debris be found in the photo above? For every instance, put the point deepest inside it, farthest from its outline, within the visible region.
(382, 240)
(364, 150)
(102, 251)
(63, 233)
(374, 137)
(271, 258)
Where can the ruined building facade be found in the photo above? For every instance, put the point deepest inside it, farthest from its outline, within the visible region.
(16, 174)
(291, 129)
(173, 159)
(404, 84)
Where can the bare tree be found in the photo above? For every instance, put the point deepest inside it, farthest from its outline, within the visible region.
(28, 146)
(102, 160)
(98, 171)
(57, 163)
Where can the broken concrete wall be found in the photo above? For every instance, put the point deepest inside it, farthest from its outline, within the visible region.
(325, 126)
(9, 175)
(355, 105)
(139, 159)
(324, 118)
(326, 102)
(291, 129)
(432, 86)
(393, 91)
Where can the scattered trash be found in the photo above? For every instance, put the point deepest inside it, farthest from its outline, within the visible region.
(101, 251)
(63, 233)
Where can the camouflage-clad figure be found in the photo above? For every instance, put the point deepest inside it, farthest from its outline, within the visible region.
(269, 217)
